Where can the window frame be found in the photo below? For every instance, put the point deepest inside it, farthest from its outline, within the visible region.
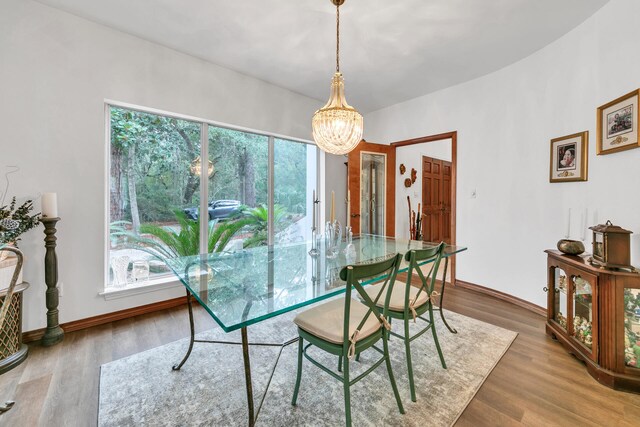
(162, 282)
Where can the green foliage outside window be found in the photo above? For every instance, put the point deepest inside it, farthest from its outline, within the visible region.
(152, 183)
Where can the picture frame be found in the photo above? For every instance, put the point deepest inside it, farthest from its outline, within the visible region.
(619, 124)
(569, 158)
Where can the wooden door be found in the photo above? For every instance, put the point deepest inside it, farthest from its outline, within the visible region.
(436, 200)
(354, 178)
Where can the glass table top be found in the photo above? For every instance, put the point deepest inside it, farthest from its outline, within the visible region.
(242, 288)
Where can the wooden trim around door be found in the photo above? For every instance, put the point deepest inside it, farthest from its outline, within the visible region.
(101, 319)
(453, 136)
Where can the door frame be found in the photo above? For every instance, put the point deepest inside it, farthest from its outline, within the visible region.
(453, 136)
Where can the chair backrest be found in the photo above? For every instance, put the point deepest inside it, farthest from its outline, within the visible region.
(426, 283)
(355, 275)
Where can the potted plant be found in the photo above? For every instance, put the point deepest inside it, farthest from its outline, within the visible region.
(14, 221)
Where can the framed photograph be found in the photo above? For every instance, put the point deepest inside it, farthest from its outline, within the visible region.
(569, 156)
(618, 124)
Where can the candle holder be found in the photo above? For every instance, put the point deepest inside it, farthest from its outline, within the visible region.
(315, 273)
(54, 333)
(315, 237)
(348, 238)
(333, 238)
(315, 242)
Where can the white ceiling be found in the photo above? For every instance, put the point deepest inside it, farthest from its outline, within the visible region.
(391, 51)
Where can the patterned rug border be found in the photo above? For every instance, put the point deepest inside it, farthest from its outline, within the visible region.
(216, 327)
(488, 374)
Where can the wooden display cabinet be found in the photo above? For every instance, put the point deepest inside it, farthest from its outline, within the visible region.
(595, 314)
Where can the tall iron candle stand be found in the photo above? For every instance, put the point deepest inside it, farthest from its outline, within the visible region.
(54, 333)
(315, 236)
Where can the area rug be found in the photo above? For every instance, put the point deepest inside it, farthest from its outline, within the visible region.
(209, 390)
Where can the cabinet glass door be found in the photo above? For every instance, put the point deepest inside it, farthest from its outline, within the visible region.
(583, 310)
(632, 327)
(560, 302)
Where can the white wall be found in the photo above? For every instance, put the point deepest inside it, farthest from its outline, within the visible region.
(411, 157)
(56, 70)
(505, 121)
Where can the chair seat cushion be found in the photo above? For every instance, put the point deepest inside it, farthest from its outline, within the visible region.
(326, 321)
(397, 295)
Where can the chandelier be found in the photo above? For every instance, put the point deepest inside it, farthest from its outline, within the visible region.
(337, 127)
(196, 167)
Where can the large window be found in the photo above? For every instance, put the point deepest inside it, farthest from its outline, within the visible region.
(258, 191)
(295, 177)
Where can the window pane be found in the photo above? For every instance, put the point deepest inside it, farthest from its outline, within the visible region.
(152, 192)
(238, 199)
(295, 178)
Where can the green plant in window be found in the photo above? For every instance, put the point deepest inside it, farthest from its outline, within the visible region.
(258, 220)
(165, 242)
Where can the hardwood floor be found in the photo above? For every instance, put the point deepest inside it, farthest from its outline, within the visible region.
(536, 383)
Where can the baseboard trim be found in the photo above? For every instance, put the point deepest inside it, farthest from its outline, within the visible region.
(101, 319)
(502, 296)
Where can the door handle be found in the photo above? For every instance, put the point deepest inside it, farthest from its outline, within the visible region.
(354, 215)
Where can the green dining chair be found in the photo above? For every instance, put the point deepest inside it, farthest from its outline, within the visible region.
(408, 303)
(345, 327)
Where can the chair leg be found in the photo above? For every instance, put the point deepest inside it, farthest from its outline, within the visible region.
(299, 374)
(347, 393)
(407, 346)
(435, 338)
(358, 357)
(390, 371)
(339, 363)
(389, 319)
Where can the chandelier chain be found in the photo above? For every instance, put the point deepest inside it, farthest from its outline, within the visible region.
(337, 38)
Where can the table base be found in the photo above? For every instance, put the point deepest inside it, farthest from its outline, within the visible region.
(444, 279)
(253, 415)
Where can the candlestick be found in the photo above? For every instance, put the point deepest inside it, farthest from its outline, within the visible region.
(54, 333)
(348, 208)
(333, 203)
(313, 206)
(49, 204)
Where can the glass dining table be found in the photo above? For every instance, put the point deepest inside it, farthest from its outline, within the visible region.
(252, 285)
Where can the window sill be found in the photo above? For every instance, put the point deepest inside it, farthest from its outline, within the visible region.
(159, 284)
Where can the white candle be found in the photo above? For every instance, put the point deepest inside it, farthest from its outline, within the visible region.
(50, 205)
(313, 207)
(584, 224)
(333, 202)
(568, 225)
(348, 208)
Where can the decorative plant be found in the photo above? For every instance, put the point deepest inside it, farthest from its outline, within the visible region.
(184, 240)
(258, 219)
(167, 242)
(16, 221)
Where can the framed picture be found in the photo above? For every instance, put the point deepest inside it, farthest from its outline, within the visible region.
(569, 158)
(618, 124)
